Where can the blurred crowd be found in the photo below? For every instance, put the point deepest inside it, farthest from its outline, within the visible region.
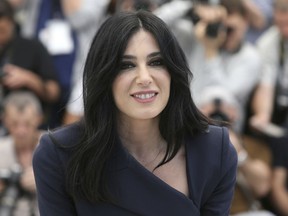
(237, 51)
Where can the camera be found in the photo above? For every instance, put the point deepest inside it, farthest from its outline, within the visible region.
(218, 114)
(212, 29)
(11, 192)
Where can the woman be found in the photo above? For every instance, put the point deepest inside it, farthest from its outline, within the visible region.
(143, 148)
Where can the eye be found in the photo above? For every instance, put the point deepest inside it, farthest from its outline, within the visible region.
(156, 62)
(126, 65)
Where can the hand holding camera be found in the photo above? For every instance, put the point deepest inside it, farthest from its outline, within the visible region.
(209, 27)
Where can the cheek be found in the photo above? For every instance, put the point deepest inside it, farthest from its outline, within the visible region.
(120, 88)
(5, 35)
(234, 38)
(3, 38)
(166, 82)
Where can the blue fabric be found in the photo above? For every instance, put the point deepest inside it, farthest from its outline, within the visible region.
(48, 10)
(211, 173)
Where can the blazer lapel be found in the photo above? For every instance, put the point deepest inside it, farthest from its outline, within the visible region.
(140, 191)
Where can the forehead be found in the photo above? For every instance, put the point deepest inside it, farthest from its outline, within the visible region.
(142, 40)
(28, 112)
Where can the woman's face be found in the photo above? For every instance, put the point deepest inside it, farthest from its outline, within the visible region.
(141, 89)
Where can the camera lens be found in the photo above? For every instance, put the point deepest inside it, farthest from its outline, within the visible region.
(212, 29)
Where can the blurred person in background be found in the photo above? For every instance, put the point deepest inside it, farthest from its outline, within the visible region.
(24, 63)
(222, 57)
(253, 180)
(53, 29)
(85, 17)
(260, 18)
(26, 12)
(270, 103)
(213, 38)
(22, 115)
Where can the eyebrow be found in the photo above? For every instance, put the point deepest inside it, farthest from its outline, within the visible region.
(151, 55)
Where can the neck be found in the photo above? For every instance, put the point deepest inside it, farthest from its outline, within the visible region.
(141, 138)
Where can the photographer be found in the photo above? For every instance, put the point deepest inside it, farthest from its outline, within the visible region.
(221, 57)
(270, 102)
(22, 115)
(254, 174)
(25, 64)
(213, 39)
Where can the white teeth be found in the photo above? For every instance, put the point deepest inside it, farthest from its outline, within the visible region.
(144, 96)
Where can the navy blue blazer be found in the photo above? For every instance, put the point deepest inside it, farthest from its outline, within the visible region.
(211, 172)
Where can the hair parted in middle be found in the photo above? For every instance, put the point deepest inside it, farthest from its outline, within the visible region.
(179, 118)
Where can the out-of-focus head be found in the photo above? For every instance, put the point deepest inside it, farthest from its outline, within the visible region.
(236, 24)
(134, 5)
(7, 22)
(281, 16)
(22, 115)
(104, 60)
(17, 3)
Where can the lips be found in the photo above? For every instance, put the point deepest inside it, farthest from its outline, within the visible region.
(144, 96)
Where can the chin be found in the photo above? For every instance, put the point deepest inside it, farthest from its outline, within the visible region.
(146, 115)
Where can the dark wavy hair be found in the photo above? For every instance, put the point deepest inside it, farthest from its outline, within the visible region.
(86, 169)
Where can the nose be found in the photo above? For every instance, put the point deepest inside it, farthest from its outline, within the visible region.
(144, 77)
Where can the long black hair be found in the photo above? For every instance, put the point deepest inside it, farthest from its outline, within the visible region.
(86, 169)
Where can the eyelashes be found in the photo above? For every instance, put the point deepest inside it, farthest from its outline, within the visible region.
(126, 65)
(156, 62)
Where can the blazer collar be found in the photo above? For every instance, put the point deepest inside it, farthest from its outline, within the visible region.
(140, 191)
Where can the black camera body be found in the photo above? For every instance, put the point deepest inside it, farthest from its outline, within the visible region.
(218, 114)
(11, 192)
(212, 29)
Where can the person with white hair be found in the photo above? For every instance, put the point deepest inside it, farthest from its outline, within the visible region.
(22, 115)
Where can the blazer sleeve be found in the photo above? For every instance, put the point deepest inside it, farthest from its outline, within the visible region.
(53, 198)
(219, 202)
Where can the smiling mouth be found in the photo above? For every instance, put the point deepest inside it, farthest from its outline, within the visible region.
(144, 96)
